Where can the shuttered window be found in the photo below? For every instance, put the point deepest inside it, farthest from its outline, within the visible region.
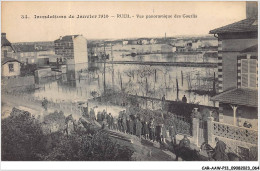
(249, 73)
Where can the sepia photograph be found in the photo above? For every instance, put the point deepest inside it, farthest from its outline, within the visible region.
(130, 81)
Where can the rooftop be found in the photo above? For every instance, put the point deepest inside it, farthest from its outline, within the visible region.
(246, 25)
(5, 42)
(66, 38)
(29, 48)
(251, 49)
(8, 59)
(238, 96)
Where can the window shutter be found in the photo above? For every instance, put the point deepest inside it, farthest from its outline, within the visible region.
(244, 73)
(253, 73)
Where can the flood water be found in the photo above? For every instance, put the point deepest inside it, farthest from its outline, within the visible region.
(141, 80)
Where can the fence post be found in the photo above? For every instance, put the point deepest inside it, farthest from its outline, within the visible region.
(210, 130)
(195, 130)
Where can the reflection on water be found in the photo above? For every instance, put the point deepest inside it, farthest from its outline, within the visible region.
(142, 80)
(172, 57)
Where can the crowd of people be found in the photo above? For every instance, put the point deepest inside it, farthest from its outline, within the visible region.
(134, 125)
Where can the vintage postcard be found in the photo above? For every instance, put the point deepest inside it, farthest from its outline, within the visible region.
(130, 81)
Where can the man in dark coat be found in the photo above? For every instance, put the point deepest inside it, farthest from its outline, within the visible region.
(163, 102)
(131, 126)
(124, 124)
(184, 148)
(128, 125)
(146, 130)
(119, 121)
(103, 115)
(45, 103)
(185, 142)
(220, 154)
(184, 99)
(138, 128)
(110, 121)
(163, 134)
(92, 114)
(173, 133)
(115, 124)
(158, 133)
(99, 117)
(151, 130)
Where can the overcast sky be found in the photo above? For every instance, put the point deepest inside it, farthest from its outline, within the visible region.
(210, 15)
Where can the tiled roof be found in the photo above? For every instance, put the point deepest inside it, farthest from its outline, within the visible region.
(24, 48)
(239, 96)
(8, 59)
(246, 25)
(250, 49)
(66, 38)
(28, 48)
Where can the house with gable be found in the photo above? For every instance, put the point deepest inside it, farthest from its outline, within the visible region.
(238, 82)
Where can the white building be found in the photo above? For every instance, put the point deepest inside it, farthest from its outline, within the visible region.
(10, 67)
(125, 42)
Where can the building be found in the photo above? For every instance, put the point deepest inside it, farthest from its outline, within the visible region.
(196, 44)
(237, 77)
(32, 54)
(124, 42)
(10, 67)
(133, 42)
(153, 41)
(145, 42)
(7, 48)
(72, 48)
(42, 45)
(168, 48)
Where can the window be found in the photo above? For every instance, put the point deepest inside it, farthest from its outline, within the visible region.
(11, 67)
(5, 53)
(249, 73)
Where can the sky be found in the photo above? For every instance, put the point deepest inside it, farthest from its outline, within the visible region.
(210, 15)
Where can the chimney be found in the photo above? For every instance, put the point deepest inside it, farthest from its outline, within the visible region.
(3, 35)
(251, 9)
(60, 37)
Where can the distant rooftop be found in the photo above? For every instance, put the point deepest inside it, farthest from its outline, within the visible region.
(247, 25)
(28, 48)
(238, 96)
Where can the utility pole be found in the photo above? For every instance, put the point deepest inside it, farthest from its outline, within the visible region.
(104, 58)
(113, 81)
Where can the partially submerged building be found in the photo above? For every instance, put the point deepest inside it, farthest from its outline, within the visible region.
(72, 48)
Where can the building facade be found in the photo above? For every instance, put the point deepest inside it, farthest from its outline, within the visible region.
(31, 54)
(10, 67)
(237, 78)
(72, 48)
